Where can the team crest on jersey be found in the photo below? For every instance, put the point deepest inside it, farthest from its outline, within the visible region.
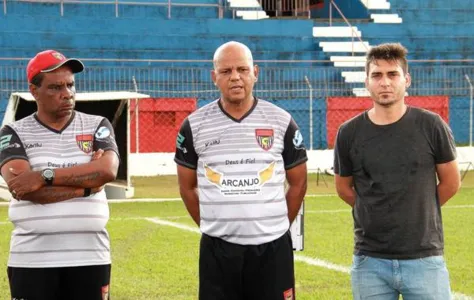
(264, 138)
(84, 141)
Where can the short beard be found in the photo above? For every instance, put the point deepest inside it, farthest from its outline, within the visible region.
(386, 105)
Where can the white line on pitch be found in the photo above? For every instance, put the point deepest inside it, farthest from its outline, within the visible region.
(323, 211)
(321, 263)
(173, 224)
(459, 296)
(301, 258)
(459, 206)
(320, 195)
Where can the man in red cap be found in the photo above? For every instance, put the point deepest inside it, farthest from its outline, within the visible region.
(55, 163)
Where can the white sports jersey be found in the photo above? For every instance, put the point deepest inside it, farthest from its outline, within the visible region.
(240, 168)
(68, 233)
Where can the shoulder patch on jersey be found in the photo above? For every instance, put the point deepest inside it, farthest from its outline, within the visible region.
(298, 140)
(179, 143)
(264, 138)
(102, 133)
(5, 141)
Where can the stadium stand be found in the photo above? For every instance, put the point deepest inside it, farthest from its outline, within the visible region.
(167, 50)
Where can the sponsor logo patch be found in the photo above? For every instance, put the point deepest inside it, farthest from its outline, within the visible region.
(84, 141)
(179, 143)
(264, 138)
(212, 143)
(5, 141)
(33, 145)
(298, 140)
(102, 133)
(14, 145)
(239, 185)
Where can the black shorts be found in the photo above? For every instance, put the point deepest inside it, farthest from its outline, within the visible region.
(235, 272)
(72, 283)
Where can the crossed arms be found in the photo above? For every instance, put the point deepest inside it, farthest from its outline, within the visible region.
(68, 182)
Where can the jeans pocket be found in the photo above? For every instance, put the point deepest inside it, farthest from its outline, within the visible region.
(359, 260)
(433, 261)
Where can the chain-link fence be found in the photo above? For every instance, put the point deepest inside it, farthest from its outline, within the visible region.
(302, 91)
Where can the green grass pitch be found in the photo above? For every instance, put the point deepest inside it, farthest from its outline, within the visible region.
(154, 259)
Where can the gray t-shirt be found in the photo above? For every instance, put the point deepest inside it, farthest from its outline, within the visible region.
(397, 213)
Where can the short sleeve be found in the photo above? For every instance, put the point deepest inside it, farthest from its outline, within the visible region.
(11, 146)
(444, 145)
(294, 150)
(104, 137)
(185, 154)
(342, 160)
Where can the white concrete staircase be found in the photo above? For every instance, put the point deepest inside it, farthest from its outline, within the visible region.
(354, 46)
(379, 5)
(376, 4)
(252, 10)
(349, 37)
(386, 18)
(345, 39)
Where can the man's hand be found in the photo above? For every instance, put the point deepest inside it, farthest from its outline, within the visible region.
(97, 154)
(24, 183)
(30, 181)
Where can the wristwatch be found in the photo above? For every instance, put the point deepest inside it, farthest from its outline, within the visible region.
(48, 176)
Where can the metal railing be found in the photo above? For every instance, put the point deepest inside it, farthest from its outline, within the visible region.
(302, 91)
(274, 81)
(117, 3)
(276, 8)
(353, 32)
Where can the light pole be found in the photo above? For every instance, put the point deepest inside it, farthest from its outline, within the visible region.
(470, 108)
(310, 112)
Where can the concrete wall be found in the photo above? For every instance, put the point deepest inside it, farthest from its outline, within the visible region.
(152, 164)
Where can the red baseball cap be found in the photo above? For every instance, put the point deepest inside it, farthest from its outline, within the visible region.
(50, 60)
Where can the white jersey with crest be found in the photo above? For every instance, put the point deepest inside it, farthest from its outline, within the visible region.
(68, 233)
(241, 169)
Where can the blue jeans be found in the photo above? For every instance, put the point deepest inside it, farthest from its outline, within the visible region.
(385, 279)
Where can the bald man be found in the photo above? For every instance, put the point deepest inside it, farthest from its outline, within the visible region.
(233, 157)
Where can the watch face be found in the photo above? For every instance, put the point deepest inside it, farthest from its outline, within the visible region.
(48, 173)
